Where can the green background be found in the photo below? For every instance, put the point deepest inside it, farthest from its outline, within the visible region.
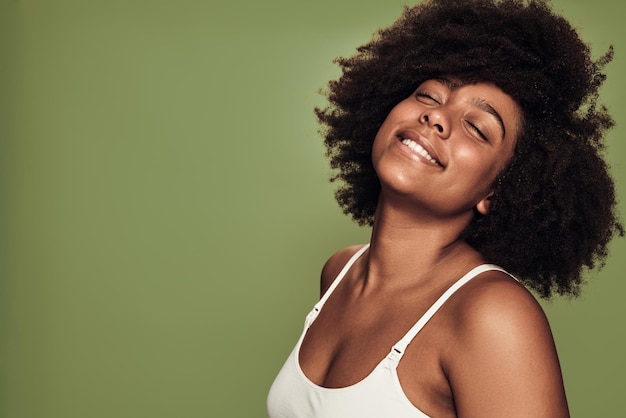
(164, 208)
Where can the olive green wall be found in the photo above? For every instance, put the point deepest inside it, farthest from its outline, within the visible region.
(165, 211)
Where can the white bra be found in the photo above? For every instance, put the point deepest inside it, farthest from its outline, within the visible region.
(378, 395)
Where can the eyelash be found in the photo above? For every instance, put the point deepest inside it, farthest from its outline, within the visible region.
(478, 131)
(426, 96)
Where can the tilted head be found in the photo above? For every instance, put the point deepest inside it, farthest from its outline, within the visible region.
(553, 208)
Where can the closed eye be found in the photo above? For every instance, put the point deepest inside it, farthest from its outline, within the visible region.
(477, 130)
(426, 98)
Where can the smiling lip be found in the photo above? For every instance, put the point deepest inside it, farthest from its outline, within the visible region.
(420, 146)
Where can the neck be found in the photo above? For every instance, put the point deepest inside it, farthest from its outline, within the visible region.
(406, 247)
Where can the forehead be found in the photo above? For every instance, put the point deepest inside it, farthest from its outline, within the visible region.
(478, 87)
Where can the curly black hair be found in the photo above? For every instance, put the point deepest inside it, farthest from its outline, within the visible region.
(553, 211)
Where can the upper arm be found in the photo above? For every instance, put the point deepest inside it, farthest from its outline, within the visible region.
(333, 266)
(505, 363)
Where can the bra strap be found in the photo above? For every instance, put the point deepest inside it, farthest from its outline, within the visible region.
(318, 306)
(398, 349)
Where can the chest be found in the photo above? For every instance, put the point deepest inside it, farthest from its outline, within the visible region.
(350, 337)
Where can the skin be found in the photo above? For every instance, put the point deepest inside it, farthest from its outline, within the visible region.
(488, 352)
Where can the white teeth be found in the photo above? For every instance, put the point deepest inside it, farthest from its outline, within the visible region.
(419, 149)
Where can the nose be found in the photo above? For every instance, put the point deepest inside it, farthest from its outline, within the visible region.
(437, 120)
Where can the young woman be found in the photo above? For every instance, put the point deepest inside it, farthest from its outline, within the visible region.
(467, 134)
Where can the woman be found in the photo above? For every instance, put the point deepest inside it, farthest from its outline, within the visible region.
(467, 134)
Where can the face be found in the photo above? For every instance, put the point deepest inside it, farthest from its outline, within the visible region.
(444, 146)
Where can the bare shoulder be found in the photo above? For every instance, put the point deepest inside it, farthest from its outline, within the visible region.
(334, 264)
(493, 300)
(503, 361)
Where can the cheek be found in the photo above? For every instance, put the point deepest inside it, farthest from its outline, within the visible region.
(480, 166)
(376, 151)
(381, 141)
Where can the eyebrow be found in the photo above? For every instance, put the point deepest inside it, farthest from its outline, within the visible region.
(448, 83)
(480, 103)
(484, 106)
